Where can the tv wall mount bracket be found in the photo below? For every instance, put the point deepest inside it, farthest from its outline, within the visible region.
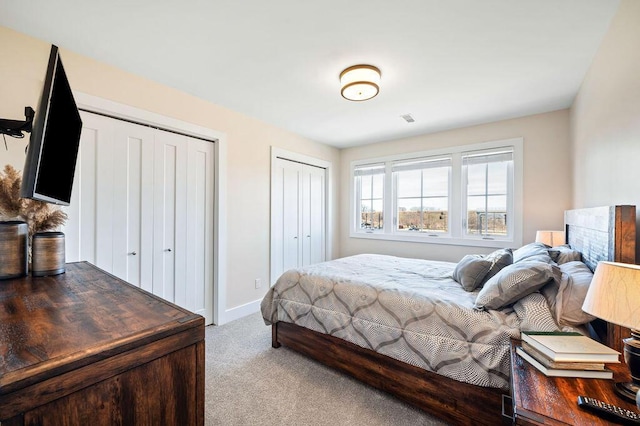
(15, 128)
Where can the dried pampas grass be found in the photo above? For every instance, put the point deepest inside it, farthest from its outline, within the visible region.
(40, 216)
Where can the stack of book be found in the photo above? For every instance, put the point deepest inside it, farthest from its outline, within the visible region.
(562, 354)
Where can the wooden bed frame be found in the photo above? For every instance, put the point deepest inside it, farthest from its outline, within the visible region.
(603, 233)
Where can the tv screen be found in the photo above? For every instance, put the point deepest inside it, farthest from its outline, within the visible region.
(55, 138)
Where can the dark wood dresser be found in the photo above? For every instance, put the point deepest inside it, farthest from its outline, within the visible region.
(86, 348)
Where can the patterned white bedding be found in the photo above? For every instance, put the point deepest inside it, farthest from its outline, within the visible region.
(409, 309)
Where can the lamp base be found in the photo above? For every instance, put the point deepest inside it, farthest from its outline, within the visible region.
(627, 390)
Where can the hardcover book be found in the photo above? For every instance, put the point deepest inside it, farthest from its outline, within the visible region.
(549, 363)
(557, 372)
(570, 347)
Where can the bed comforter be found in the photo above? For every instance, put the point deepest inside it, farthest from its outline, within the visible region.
(408, 309)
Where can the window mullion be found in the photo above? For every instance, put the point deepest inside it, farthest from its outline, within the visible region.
(510, 199)
(486, 200)
(457, 193)
(394, 205)
(421, 200)
(387, 199)
(358, 203)
(372, 213)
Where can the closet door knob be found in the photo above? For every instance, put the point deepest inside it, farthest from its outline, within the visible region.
(308, 236)
(168, 249)
(133, 253)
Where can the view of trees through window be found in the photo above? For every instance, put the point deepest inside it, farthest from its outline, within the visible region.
(413, 219)
(495, 223)
(424, 221)
(371, 219)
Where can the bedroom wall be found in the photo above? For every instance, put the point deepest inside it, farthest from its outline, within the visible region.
(605, 119)
(547, 179)
(248, 145)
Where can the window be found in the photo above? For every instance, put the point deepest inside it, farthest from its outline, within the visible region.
(487, 177)
(369, 182)
(422, 195)
(468, 195)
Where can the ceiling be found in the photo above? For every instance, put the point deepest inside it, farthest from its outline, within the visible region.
(448, 63)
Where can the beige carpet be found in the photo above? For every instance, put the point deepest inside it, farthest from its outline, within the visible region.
(250, 383)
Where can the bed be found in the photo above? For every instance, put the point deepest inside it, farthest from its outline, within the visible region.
(433, 348)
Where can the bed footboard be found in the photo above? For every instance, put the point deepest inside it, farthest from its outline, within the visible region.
(448, 399)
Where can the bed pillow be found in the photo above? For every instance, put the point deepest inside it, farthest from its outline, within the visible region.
(532, 249)
(499, 259)
(572, 292)
(564, 254)
(551, 292)
(544, 258)
(471, 270)
(514, 282)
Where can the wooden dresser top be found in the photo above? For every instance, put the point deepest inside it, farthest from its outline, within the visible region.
(50, 325)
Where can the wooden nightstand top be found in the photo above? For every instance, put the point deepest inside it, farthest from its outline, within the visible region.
(542, 400)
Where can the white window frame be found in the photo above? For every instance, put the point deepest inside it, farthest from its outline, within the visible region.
(465, 199)
(457, 200)
(357, 197)
(395, 201)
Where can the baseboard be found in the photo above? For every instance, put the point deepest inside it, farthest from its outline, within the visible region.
(241, 311)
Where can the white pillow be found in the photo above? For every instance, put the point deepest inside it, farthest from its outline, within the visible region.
(576, 279)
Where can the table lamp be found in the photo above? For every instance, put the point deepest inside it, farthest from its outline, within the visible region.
(614, 296)
(550, 238)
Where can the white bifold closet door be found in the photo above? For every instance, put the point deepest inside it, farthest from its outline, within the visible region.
(298, 225)
(125, 241)
(170, 211)
(142, 209)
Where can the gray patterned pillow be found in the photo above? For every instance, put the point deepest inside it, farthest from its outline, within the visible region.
(564, 254)
(514, 282)
(499, 259)
(470, 271)
(532, 249)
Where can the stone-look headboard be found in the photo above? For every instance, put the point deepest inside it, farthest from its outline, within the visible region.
(604, 233)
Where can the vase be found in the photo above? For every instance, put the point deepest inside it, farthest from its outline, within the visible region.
(47, 254)
(14, 236)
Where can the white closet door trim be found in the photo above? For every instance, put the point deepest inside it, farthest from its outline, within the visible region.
(312, 161)
(127, 112)
(300, 158)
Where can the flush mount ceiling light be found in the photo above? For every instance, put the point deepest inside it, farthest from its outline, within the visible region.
(360, 82)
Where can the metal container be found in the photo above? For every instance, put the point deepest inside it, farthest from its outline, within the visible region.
(14, 258)
(47, 254)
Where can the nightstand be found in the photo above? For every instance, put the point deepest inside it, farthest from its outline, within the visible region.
(541, 400)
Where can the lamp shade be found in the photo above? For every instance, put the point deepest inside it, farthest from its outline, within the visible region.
(550, 238)
(614, 294)
(360, 82)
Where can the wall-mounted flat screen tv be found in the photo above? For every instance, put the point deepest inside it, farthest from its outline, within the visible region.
(55, 139)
